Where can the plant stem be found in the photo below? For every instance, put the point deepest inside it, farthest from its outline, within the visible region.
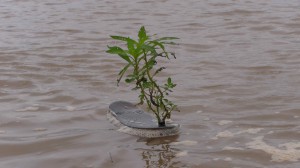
(136, 70)
(160, 96)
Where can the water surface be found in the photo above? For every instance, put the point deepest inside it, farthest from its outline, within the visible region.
(237, 73)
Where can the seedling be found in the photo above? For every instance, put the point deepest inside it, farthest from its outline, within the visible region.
(141, 70)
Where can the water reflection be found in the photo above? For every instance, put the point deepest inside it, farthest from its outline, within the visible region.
(160, 156)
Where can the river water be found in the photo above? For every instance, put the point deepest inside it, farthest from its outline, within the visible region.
(237, 73)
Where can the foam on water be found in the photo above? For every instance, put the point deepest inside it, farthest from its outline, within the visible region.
(224, 134)
(284, 152)
(228, 159)
(30, 108)
(290, 153)
(232, 148)
(70, 108)
(227, 134)
(181, 154)
(185, 143)
(224, 122)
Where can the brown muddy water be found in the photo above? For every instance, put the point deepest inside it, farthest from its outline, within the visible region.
(237, 75)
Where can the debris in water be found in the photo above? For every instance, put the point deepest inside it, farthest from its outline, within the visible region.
(147, 133)
(110, 158)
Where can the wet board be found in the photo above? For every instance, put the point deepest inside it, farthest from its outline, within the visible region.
(131, 116)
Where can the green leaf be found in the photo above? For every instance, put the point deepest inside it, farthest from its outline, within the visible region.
(129, 80)
(148, 48)
(151, 63)
(169, 81)
(147, 84)
(114, 50)
(169, 85)
(166, 38)
(125, 57)
(159, 70)
(131, 49)
(156, 43)
(126, 39)
(142, 96)
(142, 35)
(120, 52)
(169, 43)
(122, 72)
(119, 38)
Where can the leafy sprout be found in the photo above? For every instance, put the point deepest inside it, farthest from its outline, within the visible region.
(141, 58)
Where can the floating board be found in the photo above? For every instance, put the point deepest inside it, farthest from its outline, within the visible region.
(135, 121)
